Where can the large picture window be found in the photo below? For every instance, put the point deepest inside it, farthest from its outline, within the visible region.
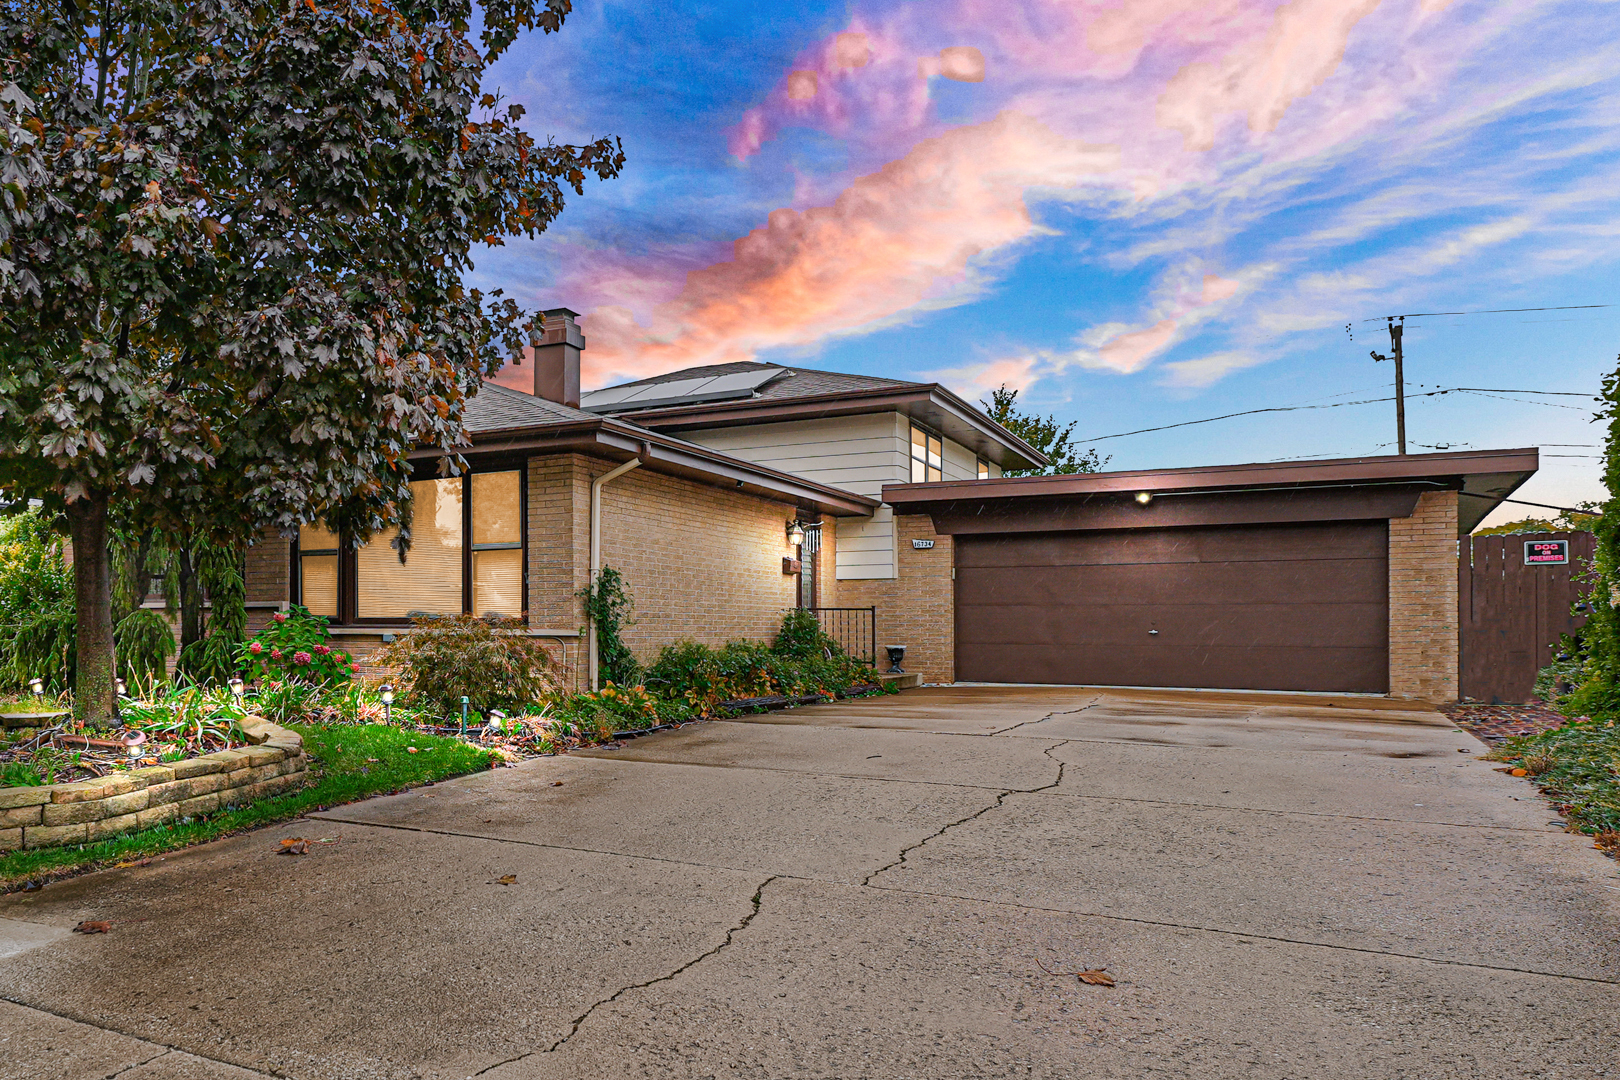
(927, 458)
(466, 555)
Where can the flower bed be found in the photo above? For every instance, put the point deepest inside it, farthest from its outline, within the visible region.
(84, 811)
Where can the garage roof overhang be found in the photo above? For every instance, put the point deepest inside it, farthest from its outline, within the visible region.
(1347, 489)
(618, 441)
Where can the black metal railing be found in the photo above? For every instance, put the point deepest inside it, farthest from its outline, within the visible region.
(855, 628)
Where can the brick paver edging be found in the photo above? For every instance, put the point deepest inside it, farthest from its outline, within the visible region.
(88, 810)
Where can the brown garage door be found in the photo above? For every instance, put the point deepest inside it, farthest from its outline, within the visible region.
(1259, 607)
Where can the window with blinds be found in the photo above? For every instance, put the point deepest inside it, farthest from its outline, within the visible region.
(429, 580)
(927, 457)
(318, 570)
(497, 543)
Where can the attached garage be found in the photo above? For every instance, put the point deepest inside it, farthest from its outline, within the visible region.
(1265, 607)
(1330, 576)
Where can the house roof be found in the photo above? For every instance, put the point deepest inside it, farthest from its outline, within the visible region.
(789, 382)
(507, 423)
(808, 394)
(497, 408)
(1482, 479)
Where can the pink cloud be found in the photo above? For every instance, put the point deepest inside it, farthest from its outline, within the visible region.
(976, 381)
(904, 237)
(1121, 104)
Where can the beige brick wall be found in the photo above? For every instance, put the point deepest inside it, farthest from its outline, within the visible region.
(700, 562)
(268, 576)
(917, 608)
(1423, 644)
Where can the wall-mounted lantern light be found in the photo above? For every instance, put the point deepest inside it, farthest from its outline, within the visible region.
(1144, 497)
(795, 534)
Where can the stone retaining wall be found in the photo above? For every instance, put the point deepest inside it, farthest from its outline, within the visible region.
(85, 811)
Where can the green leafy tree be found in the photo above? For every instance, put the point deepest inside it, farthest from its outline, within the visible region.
(1051, 438)
(232, 242)
(1599, 689)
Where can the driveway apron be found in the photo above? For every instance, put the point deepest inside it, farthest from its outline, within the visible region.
(1279, 886)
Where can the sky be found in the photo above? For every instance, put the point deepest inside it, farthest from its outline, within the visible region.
(1136, 213)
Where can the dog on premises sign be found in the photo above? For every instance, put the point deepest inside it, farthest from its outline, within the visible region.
(1546, 552)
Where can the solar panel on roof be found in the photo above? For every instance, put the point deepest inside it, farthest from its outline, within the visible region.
(679, 392)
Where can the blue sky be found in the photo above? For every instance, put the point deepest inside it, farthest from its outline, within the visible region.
(1140, 214)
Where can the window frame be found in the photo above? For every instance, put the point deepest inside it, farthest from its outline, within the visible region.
(932, 442)
(981, 469)
(348, 584)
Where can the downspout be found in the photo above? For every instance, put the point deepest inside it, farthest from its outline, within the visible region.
(596, 544)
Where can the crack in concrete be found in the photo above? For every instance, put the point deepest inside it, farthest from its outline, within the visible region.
(1247, 934)
(137, 1064)
(164, 1048)
(1001, 797)
(756, 900)
(1093, 703)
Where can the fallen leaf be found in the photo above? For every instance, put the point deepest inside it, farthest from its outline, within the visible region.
(556, 783)
(1091, 976)
(411, 750)
(89, 927)
(295, 846)
(509, 879)
(1520, 772)
(372, 759)
(135, 862)
(489, 821)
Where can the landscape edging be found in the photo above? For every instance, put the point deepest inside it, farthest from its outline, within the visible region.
(85, 811)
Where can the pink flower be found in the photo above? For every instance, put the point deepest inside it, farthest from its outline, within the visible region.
(280, 616)
(255, 648)
(354, 667)
(323, 649)
(301, 657)
(275, 654)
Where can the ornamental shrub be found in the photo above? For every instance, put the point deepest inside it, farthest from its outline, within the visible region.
(490, 661)
(295, 647)
(36, 605)
(704, 677)
(800, 636)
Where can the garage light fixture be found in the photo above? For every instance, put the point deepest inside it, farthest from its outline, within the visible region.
(1144, 497)
(795, 534)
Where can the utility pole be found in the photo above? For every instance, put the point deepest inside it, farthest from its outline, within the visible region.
(1395, 331)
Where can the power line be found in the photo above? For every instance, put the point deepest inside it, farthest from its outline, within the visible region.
(1336, 405)
(1549, 506)
(1489, 311)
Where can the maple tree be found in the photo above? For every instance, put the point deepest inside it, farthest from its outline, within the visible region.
(232, 242)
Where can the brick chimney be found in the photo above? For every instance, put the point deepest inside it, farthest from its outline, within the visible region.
(556, 358)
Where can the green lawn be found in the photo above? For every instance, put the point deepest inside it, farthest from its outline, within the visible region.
(342, 770)
(1578, 766)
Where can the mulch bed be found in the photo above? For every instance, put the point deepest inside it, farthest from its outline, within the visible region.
(1491, 724)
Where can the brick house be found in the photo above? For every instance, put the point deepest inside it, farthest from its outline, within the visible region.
(1326, 576)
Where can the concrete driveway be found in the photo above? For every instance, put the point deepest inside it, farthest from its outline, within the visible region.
(1281, 886)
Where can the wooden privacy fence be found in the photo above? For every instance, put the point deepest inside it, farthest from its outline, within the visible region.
(1512, 613)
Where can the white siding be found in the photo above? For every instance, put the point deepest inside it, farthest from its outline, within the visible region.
(857, 453)
(960, 463)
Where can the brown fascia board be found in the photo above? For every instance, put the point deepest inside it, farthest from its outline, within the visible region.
(1483, 477)
(603, 437)
(843, 403)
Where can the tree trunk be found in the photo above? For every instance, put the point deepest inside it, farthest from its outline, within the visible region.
(191, 604)
(94, 701)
